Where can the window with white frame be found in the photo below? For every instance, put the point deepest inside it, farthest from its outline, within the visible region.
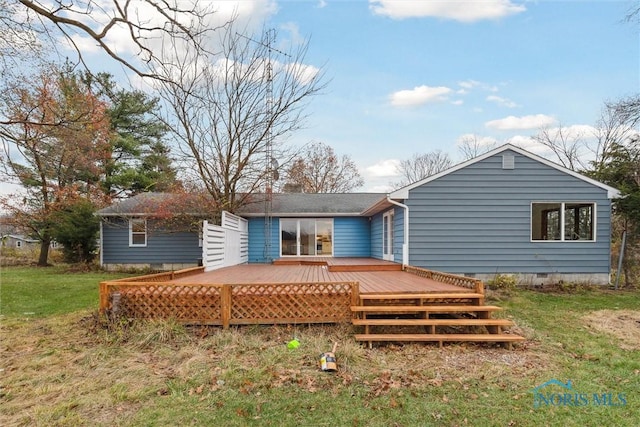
(137, 232)
(563, 221)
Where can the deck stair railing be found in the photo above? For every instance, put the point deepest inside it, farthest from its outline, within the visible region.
(432, 317)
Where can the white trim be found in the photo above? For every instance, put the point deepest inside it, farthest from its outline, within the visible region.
(101, 246)
(146, 237)
(405, 243)
(388, 221)
(291, 215)
(562, 204)
(315, 228)
(403, 193)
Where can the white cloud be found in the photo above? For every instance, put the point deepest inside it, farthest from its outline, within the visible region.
(480, 141)
(321, 4)
(294, 32)
(380, 188)
(574, 132)
(526, 142)
(469, 84)
(534, 121)
(463, 11)
(249, 14)
(387, 168)
(302, 72)
(502, 101)
(457, 102)
(419, 95)
(84, 44)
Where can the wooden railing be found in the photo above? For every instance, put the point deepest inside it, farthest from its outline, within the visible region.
(164, 276)
(452, 279)
(230, 304)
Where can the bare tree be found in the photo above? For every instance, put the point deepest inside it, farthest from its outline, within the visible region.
(617, 126)
(585, 148)
(471, 145)
(230, 116)
(421, 166)
(568, 146)
(147, 25)
(320, 170)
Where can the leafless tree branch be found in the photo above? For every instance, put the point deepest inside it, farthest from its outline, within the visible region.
(225, 112)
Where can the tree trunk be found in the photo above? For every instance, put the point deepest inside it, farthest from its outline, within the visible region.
(44, 252)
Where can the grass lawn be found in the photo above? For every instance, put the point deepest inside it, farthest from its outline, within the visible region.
(37, 292)
(63, 365)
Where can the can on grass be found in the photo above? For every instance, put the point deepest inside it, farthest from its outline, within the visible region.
(328, 360)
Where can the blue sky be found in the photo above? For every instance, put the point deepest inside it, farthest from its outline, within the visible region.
(414, 76)
(407, 80)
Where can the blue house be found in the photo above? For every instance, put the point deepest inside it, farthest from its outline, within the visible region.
(505, 212)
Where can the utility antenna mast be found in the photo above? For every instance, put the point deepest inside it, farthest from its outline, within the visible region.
(271, 164)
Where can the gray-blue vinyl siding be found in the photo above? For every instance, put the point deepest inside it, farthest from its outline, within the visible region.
(398, 234)
(162, 247)
(257, 248)
(351, 238)
(478, 220)
(376, 236)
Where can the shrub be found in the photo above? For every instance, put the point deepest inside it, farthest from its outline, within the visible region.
(503, 282)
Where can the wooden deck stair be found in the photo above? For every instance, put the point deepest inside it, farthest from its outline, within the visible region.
(429, 317)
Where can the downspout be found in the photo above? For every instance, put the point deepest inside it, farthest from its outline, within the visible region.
(101, 245)
(405, 243)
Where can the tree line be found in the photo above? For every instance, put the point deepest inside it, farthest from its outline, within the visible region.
(218, 106)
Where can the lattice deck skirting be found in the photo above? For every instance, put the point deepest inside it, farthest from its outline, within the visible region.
(231, 304)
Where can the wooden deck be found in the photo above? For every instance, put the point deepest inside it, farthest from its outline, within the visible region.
(372, 281)
(381, 297)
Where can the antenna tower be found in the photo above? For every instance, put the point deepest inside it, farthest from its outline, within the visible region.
(271, 165)
(269, 36)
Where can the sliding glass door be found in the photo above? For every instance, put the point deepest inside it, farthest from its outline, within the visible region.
(306, 237)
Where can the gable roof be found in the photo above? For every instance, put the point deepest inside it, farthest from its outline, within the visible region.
(403, 193)
(313, 204)
(283, 204)
(19, 237)
(153, 203)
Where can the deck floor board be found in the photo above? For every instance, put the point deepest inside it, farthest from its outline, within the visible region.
(370, 281)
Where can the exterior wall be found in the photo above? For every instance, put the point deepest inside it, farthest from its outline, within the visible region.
(163, 250)
(477, 220)
(25, 244)
(376, 236)
(351, 238)
(256, 240)
(398, 234)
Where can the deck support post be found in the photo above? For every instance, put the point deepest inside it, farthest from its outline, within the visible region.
(104, 297)
(225, 305)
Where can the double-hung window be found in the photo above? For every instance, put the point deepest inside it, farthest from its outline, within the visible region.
(137, 232)
(563, 221)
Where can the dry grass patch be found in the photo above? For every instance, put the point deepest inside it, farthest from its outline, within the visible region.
(78, 369)
(622, 324)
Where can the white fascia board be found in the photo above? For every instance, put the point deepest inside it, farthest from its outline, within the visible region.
(300, 215)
